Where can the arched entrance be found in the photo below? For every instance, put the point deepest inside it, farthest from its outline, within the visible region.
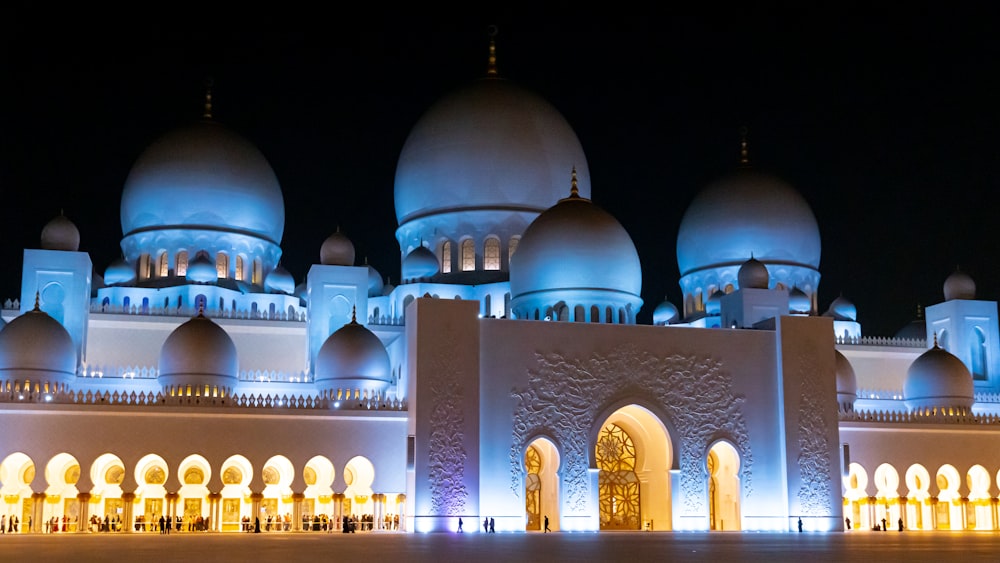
(62, 509)
(633, 457)
(723, 466)
(541, 485)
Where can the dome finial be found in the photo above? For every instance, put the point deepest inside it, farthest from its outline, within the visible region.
(208, 99)
(935, 340)
(38, 297)
(744, 153)
(574, 191)
(491, 68)
(354, 314)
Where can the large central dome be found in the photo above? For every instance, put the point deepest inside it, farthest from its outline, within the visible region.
(203, 176)
(492, 145)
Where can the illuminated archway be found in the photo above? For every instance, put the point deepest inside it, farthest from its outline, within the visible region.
(277, 475)
(359, 474)
(541, 485)
(237, 471)
(648, 453)
(856, 496)
(151, 473)
(723, 465)
(949, 501)
(195, 472)
(17, 472)
(979, 513)
(918, 506)
(62, 509)
(886, 494)
(318, 474)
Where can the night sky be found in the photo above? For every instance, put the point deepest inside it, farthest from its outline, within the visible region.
(890, 129)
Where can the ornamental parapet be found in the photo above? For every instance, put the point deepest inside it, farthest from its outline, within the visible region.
(259, 315)
(921, 416)
(881, 341)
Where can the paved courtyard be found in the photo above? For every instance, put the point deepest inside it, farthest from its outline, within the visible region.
(632, 547)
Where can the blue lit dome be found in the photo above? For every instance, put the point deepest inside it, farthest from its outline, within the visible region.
(419, 264)
(202, 270)
(280, 281)
(743, 214)
(337, 250)
(576, 254)
(60, 234)
(847, 382)
(959, 285)
(36, 347)
(938, 379)
(798, 301)
(842, 309)
(196, 355)
(665, 313)
(375, 285)
(203, 176)
(483, 161)
(119, 272)
(353, 358)
(714, 304)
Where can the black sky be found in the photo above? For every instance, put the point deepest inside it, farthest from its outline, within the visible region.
(889, 128)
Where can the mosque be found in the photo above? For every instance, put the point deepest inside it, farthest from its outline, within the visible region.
(505, 377)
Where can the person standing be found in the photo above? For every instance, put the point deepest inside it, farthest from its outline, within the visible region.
(460, 525)
(900, 523)
(493, 528)
(547, 524)
(883, 523)
(800, 525)
(848, 522)
(486, 524)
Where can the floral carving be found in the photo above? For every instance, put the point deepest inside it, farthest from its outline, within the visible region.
(815, 488)
(447, 455)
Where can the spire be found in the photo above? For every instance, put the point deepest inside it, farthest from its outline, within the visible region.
(37, 302)
(573, 190)
(491, 67)
(920, 311)
(354, 312)
(208, 99)
(744, 153)
(935, 340)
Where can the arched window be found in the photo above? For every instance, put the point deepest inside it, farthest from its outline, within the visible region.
(617, 482)
(125, 303)
(579, 314)
(468, 255)
(446, 257)
(491, 254)
(978, 354)
(222, 265)
(512, 247)
(200, 303)
(595, 314)
(255, 278)
(533, 488)
(240, 274)
(144, 267)
(163, 266)
(182, 263)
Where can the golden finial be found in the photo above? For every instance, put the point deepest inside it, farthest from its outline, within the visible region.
(744, 153)
(208, 99)
(491, 67)
(920, 311)
(573, 190)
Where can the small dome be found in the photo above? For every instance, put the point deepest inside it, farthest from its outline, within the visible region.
(938, 379)
(199, 353)
(713, 306)
(959, 286)
(915, 329)
(375, 285)
(279, 281)
(60, 234)
(353, 358)
(798, 301)
(36, 347)
(753, 274)
(337, 250)
(119, 272)
(847, 382)
(576, 245)
(388, 288)
(842, 309)
(202, 270)
(419, 264)
(301, 291)
(665, 313)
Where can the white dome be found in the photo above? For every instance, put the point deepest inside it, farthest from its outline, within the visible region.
(375, 285)
(337, 250)
(847, 381)
(842, 309)
(36, 347)
(753, 274)
(60, 234)
(419, 264)
(938, 379)
(575, 246)
(119, 272)
(713, 306)
(492, 145)
(199, 353)
(202, 270)
(959, 285)
(743, 214)
(203, 176)
(798, 301)
(279, 281)
(665, 313)
(388, 288)
(353, 358)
